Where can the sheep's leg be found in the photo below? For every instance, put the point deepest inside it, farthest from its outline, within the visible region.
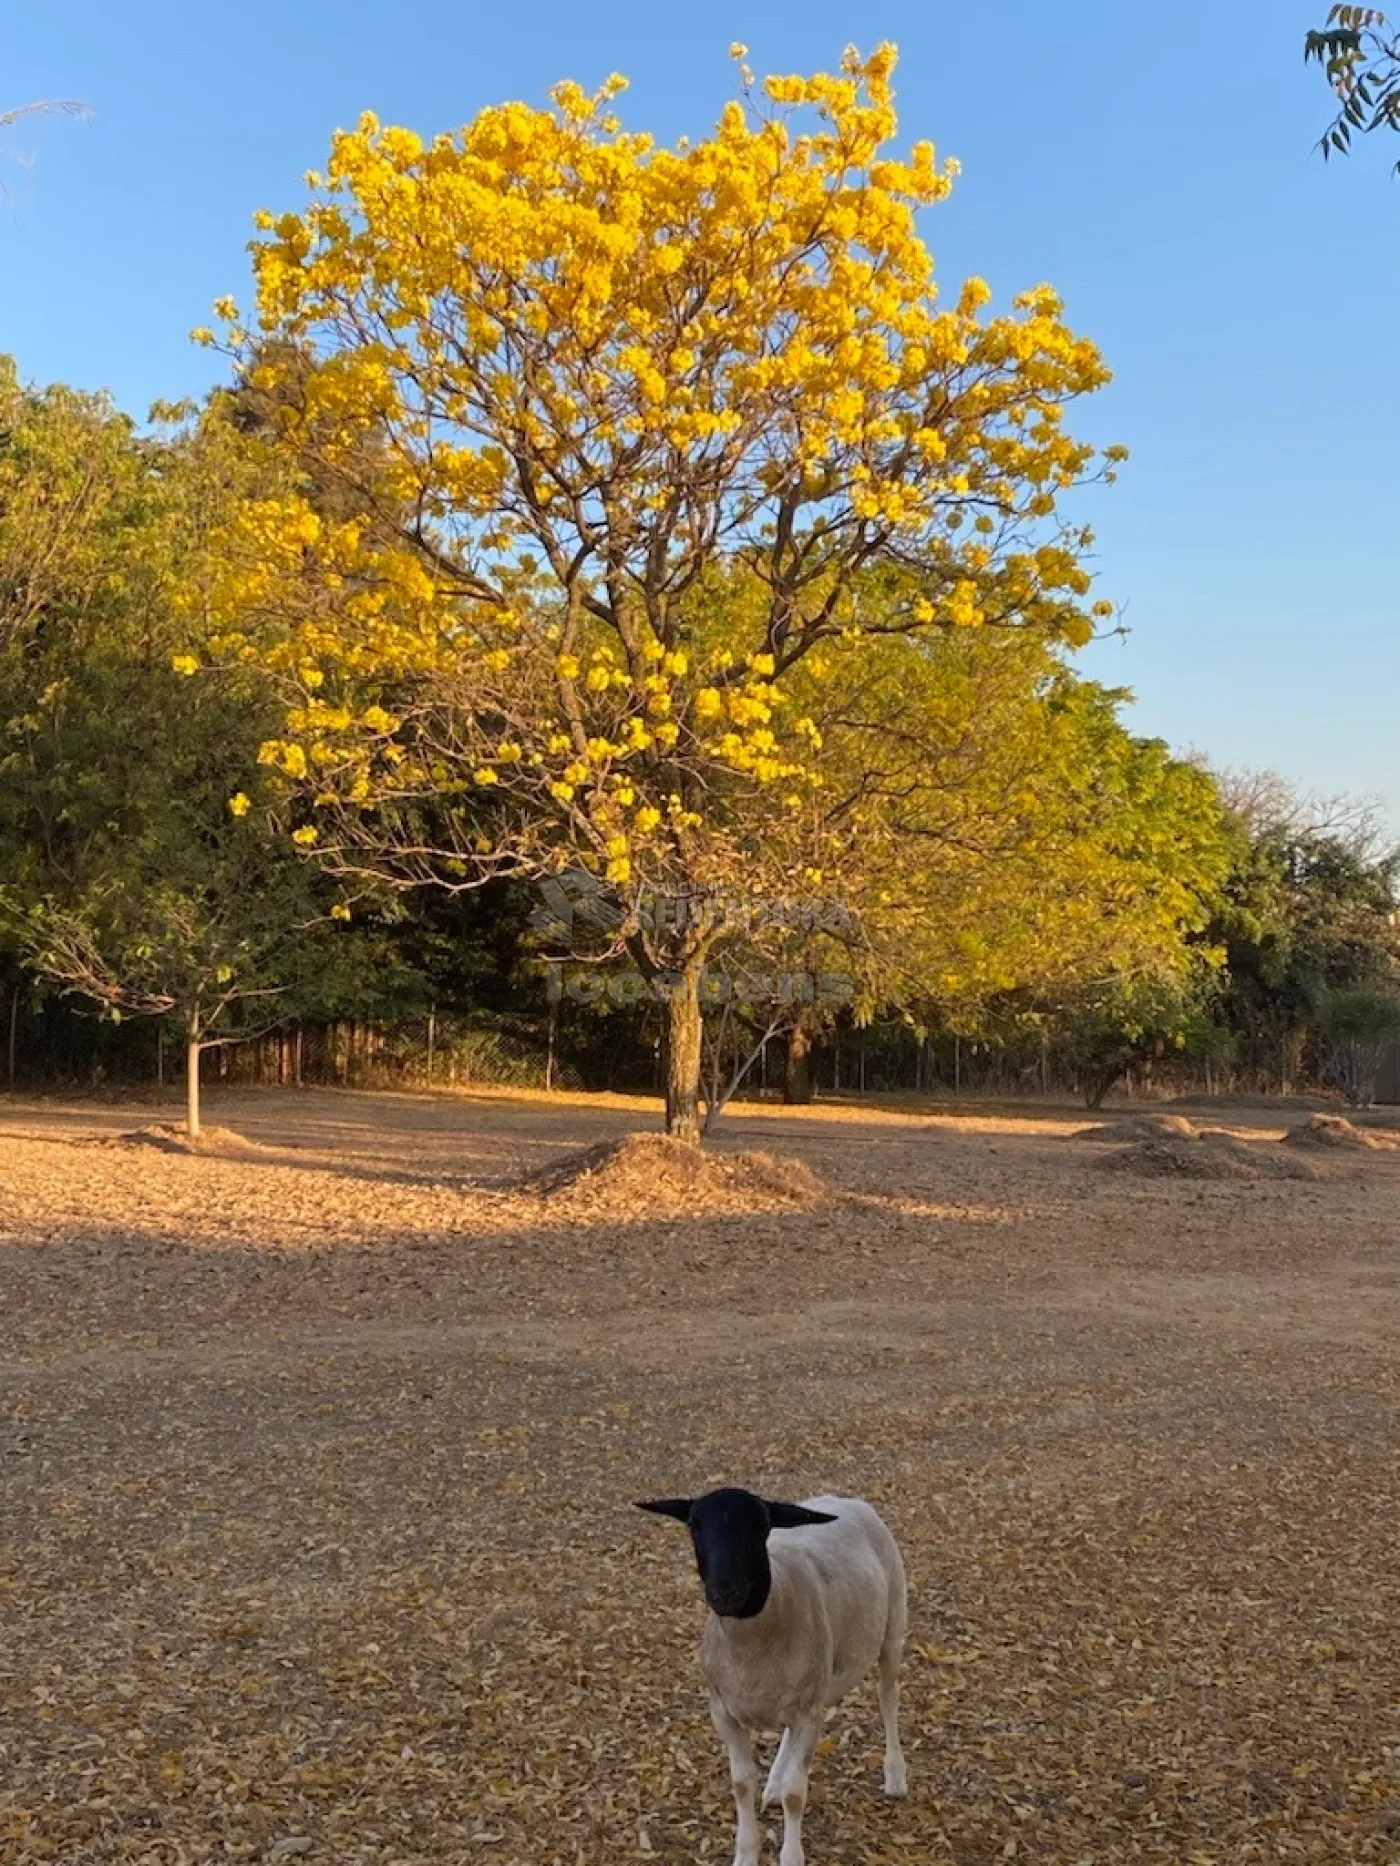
(743, 1773)
(896, 1780)
(798, 1745)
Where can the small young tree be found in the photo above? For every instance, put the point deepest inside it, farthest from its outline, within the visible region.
(623, 432)
(211, 947)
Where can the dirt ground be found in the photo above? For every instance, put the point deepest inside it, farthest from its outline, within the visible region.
(316, 1460)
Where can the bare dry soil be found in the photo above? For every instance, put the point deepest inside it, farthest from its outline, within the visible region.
(317, 1447)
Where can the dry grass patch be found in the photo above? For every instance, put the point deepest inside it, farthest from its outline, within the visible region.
(175, 1139)
(640, 1172)
(1141, 1127)
(1210, 1153)
(1330, 1132)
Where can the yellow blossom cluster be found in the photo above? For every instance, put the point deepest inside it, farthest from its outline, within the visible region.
(565, 381)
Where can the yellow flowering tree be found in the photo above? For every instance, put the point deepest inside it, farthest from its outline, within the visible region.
(576, 390)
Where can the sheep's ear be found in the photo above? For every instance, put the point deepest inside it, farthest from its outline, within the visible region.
(795, 1516)
(679, 1507)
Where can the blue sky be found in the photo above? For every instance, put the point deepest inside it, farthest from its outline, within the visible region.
(1154, 163)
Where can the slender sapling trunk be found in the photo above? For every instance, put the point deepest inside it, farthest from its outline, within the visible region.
(192, 1053)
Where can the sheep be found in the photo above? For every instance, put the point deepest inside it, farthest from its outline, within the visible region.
(805, 1598)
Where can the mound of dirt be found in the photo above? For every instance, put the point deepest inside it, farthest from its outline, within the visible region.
(1327, 1132)
(641, 1171)
(1210, 1155)
(176, 1140)
(1141, 1127)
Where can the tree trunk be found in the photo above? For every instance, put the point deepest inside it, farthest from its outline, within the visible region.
(1099, 1085)
(684, 1032)
(192, 1053)
(797, 1076)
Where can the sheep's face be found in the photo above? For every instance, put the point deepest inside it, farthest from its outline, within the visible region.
(729, 1532)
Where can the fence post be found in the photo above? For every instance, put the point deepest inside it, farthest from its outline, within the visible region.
(14, 1032)
(957, 1064)
(549, 1054)
(432, 1038)
(160, 1056)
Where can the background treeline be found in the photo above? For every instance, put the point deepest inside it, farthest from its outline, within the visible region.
(162, 910)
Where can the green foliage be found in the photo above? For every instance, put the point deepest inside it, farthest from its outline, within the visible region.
(1360, 55)
(986, 825)
(987, 849)
(1107, 1028)
(1309, 906)
(140, 866)
(1357, 1025)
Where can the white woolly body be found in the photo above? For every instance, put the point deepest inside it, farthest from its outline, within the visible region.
(837, 1602)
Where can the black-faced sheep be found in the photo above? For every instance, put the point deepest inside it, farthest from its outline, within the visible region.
(806, 1599)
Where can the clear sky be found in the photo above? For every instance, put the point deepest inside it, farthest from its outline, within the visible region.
(1154, 163)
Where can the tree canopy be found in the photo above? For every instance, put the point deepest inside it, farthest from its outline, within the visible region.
(626, 435)
(139, 867)
(645, 526)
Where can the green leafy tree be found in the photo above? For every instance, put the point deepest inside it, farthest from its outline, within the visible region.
(139, 865)
(1112, 1025)
(1309, 906)
(994, 830)
(1358, 1025)
(196, 919)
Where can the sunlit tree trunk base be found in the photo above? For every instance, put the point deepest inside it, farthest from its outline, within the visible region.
(684, 1030)
(192, 1052)
(797, 1076)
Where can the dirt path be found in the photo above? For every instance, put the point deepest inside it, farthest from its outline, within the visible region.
(315, 1466)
